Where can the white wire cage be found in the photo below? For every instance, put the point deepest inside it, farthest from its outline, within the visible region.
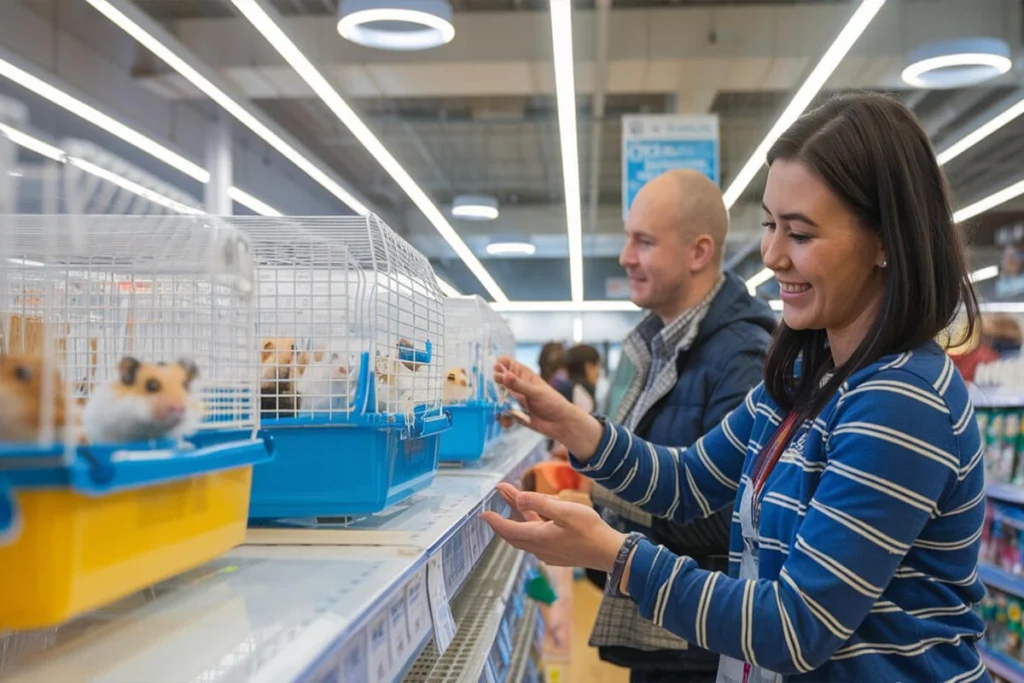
(500, 342)
(80, 294)
(468, 364)
(350, 321)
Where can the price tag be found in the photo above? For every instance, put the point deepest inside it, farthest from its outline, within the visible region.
(353, 662)
(474, 541)
(440, 611)
(380, 654)
(458, 554)
(399, 629)
(417, 610)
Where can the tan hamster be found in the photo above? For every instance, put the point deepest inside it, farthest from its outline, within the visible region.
(146, 401)
(21, 395)
(279, 368)
(456, 386)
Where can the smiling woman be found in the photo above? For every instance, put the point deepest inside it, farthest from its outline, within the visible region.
(854, 471)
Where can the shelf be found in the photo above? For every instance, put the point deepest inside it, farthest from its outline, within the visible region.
(339, 602)
(1007, 493)
(994, 397)
(478, 611)
(1000, 579)
(523, 647)
(1002, 665)
(444, 518)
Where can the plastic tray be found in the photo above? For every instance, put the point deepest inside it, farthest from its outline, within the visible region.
(85, 531)
(474, 425)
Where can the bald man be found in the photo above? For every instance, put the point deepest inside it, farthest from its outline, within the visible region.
(696, 354)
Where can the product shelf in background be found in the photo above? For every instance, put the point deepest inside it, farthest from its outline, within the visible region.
(1002, 665)
(1001, 579)
(1006, 493)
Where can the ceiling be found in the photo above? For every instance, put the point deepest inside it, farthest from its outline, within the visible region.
(478, 116)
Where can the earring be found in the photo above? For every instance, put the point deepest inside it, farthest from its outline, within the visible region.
(884, 264)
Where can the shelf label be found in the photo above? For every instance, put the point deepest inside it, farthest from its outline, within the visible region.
(417, 610)
(399, 631)
(353, 663)
(380, 653)
(440, 611)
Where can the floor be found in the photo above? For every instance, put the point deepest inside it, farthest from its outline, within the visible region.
(585, 666)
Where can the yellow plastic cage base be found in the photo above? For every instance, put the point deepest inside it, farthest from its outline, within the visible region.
(76, 553)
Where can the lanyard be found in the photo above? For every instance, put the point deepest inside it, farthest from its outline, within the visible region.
(766, 461)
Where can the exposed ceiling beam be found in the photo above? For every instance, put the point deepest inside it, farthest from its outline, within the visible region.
(652, 50)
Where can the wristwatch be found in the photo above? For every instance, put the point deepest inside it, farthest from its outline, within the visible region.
(612, 586)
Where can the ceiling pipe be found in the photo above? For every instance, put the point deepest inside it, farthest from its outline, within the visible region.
(597, 110)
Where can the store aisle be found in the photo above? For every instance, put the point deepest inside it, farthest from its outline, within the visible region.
(586, 666)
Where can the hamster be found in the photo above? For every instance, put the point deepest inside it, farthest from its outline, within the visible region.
(456, 386)
(279, 366)
(145, 402)
(395, 385)
(326, 384)
(21, 396)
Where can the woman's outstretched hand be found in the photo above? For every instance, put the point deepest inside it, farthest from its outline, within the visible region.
(559, 533)
(547, 410)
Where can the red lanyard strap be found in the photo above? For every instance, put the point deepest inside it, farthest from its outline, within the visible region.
(769, 455)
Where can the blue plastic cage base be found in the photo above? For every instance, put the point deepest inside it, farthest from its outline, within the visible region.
(474, 426)
(338, 471)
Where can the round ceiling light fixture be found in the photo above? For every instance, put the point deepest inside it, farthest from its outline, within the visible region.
(396, 24)
(475, 207)
(957, 63)
(511, 249)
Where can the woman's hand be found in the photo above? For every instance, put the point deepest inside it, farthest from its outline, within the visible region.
(559, 533)
(548, 411)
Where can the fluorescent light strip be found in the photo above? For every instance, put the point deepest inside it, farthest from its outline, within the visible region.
(1002, 306)
(98, 118)
(598, 306)
(803, 97)
(980, 133)
(986, 273)
(151, 43)
(577, 328)
(133, 187)
(447, 289)
(993, 200)
(110, 125)
(251, 203)
(268, 28)
(35, 144)
(57, 154)
(759, 278)
(565, 93)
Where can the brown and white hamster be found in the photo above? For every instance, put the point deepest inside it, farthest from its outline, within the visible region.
(279, 368)
(21, 398)
(146, 401)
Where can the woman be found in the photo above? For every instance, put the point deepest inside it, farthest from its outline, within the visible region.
(583, 365)
(854, 469)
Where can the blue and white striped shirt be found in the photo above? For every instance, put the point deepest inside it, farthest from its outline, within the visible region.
(869, 531)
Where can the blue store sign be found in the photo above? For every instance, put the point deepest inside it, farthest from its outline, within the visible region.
(655, 143)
